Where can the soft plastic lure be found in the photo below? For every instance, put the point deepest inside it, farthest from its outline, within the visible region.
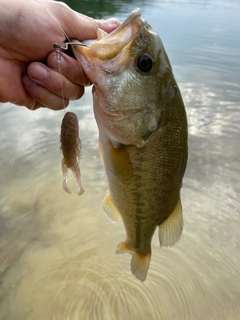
(71, 150)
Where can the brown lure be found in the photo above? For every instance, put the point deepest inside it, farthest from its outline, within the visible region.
(71, 150)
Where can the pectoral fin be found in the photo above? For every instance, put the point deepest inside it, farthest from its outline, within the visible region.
(110, 210)
(121, 164)
(170, 230)
(139, 263)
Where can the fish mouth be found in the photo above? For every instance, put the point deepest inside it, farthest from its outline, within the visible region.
(112, 44)
(121, 28)
(109, 46)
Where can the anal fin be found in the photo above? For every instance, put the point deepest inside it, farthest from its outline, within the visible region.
(170, 230)
(110, 210)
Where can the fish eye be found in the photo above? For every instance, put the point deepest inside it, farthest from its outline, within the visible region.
(145, 62)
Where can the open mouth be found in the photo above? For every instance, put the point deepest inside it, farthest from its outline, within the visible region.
(110, 45)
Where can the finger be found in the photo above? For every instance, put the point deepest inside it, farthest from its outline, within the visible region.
(90, 26)
(30, 103)
(42, 96)
(54, 81)
(70, 68)
(34, 105)
(108, 25)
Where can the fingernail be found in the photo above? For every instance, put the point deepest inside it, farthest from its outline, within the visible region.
(38, 72)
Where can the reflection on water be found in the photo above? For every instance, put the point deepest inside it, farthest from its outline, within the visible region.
(57, 256)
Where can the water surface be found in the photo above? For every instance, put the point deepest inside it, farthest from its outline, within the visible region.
(57, 257)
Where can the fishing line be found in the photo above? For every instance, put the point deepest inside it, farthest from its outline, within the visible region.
(69, 136)
(58, 48)
(58, 57)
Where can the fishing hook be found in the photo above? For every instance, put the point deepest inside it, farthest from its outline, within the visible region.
(73, 42)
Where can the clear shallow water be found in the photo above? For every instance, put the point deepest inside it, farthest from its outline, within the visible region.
(57, 256)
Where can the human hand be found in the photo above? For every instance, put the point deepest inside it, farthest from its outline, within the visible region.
(29, 69)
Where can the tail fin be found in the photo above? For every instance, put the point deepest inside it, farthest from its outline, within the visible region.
(139, 263)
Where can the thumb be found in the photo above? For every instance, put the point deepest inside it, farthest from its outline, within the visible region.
(108, 25)
(86, 27)
(80, 26)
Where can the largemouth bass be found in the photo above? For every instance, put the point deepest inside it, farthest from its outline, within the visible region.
(142, 135)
